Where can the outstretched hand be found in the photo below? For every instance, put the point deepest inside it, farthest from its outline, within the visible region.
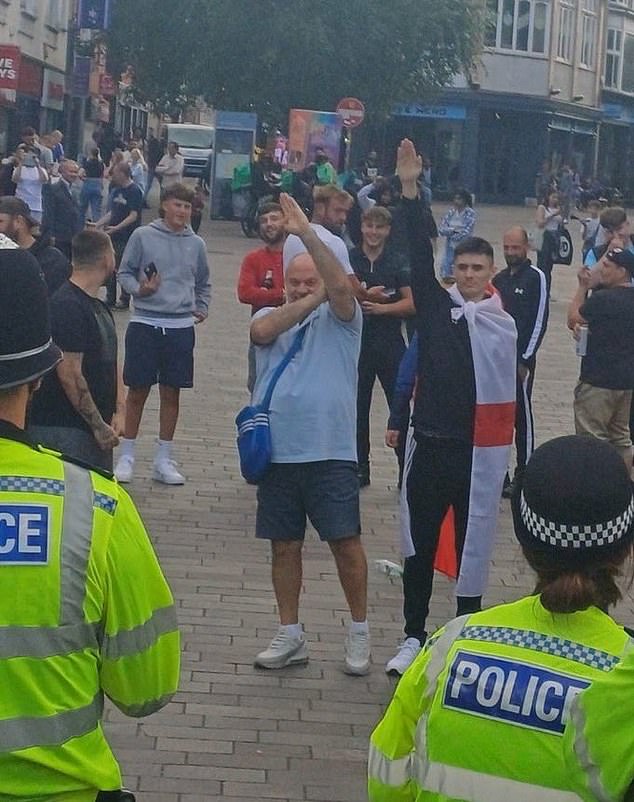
(409, 165)
(295, 221)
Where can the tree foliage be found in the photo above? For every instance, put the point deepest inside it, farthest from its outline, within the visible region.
(271, 55)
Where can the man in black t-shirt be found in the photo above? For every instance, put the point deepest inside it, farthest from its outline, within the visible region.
(385, 298)
(603, 394)
(79, 408)
(122, 218)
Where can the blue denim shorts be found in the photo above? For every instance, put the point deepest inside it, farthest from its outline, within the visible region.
(327, 493)
(154, 354)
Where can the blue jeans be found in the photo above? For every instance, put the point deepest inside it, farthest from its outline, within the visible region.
(91, 195)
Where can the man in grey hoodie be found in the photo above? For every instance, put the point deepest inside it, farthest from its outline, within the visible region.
(164, 268)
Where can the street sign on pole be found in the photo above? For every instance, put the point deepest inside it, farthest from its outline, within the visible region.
(352, 111)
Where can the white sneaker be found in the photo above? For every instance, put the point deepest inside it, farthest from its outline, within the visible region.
(283, 650)
(165, 471)
(402, 660)
(357, 653)
(124, 469)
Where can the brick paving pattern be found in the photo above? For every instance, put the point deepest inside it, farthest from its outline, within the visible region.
(234, 731)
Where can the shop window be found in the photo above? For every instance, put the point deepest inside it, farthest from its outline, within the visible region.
(627, 84)
(565, 42)
(520, 25)
(613, 55)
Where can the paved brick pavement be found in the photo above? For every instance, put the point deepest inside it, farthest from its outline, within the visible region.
(300, 734)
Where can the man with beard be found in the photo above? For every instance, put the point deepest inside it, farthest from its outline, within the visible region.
(331, 207)
(16, 222)
(261, 280)
(523, 290)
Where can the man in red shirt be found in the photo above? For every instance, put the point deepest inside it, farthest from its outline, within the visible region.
(261, 280)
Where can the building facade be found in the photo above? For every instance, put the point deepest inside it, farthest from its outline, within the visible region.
(33, 66)
(554, 84)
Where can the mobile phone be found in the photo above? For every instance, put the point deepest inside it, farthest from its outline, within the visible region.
(29, 160)
(151, 270)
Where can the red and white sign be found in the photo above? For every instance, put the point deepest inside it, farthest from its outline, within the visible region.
(53, 88)
(9, 72)
(352, 111)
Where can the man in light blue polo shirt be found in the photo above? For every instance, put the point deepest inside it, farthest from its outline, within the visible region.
(313, 431)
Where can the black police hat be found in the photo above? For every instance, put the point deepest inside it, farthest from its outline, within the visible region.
(26, 348)
(575, 498)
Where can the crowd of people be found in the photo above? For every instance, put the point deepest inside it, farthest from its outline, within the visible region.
(458, 380)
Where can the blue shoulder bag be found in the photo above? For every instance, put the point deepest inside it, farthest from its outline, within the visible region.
(254, 428)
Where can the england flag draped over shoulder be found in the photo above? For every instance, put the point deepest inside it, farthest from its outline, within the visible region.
(94, 14)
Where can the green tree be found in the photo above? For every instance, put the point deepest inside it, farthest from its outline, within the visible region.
(271, 55)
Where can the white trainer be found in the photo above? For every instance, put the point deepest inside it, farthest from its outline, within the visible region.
(124, 469)
(357, 653)
(402, 660)
(283, 650)
(165, 471)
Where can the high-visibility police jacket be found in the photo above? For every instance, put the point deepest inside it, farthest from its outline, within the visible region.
(599, 736)
(479, 716)
(84, 610)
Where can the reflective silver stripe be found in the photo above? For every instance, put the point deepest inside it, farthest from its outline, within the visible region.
(43, 642)
(145, 709)
(77, 525)
(474, 786)
(582, 753)
(26, 732)
(133, 641)
(24, 354)
(387, 771)
(437, 661)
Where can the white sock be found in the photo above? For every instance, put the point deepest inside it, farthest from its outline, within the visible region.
(164, 450)
(292, 630)
(127, 447)
(359, 627)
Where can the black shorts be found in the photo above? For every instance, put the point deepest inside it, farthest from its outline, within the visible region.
(326, 492)
(154, 354)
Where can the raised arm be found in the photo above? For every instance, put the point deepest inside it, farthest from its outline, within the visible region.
(339, 291)
(421, 257)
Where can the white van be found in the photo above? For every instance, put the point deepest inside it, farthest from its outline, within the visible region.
(195, 144)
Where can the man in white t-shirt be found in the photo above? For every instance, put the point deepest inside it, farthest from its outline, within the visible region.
(171, 167)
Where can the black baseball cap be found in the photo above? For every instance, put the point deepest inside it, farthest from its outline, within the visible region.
(622, 258)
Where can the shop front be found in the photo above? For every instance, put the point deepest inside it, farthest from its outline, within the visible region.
(52, 102)
(616, 146)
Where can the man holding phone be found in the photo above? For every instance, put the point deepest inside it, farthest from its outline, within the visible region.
(164, 268)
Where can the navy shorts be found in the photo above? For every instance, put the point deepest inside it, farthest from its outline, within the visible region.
(154, 354)
(325, 492)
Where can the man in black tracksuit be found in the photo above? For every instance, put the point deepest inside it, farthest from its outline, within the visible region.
(386, 298)
(523, 290)
(439, 476)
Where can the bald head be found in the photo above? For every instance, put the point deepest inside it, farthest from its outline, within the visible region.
(69, 170)
(301, 277)
(515, 243)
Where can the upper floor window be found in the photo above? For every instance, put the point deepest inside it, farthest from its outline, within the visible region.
(627, 81)
(589, 33)
(520, 25)
(613, 58)
(56, 14)
(29, 7)
(566, 38)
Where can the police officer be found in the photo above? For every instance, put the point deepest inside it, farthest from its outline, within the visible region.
(480, 714)
(84, 610)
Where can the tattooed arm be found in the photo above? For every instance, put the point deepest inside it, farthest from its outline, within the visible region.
(74, 385)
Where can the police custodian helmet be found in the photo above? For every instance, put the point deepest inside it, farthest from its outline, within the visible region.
(575, 499)
(26, 348)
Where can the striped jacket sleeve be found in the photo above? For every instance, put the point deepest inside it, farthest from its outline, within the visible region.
(529, 340)
(392, 742)
(140, 648)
